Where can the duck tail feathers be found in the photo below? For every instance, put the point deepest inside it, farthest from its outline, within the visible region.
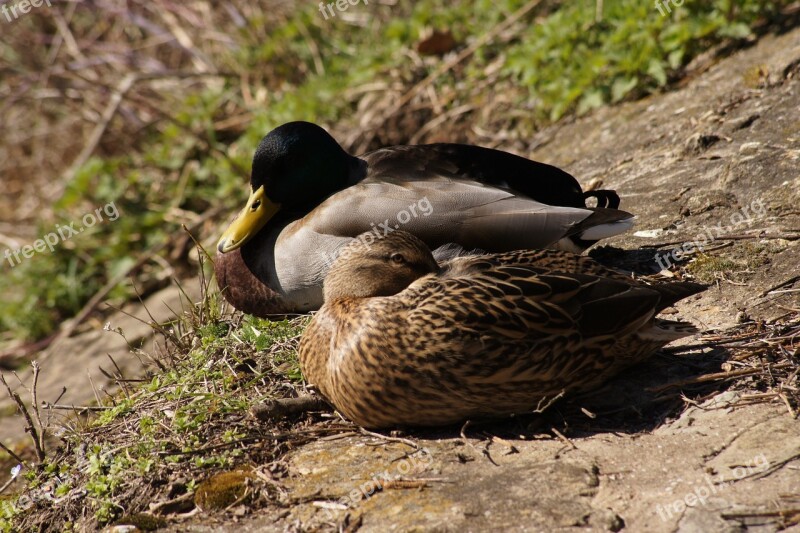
(673, 292)
(608, 229)
(605, 198)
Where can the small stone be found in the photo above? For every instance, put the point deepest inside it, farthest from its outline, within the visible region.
(700, 142)
(123, 529)
(749, 147)
(139, 522)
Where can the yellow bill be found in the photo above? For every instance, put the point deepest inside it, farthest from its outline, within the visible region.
(254, 216)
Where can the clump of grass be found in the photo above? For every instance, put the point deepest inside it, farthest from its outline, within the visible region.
(708, 268)
(742, 261)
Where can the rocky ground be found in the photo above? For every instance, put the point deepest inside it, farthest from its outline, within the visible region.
(715, 163)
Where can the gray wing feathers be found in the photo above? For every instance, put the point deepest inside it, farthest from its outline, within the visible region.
(442, 210)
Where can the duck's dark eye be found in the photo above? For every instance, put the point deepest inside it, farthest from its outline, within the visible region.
(397, 258)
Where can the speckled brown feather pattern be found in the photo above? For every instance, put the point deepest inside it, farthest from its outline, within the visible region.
(481, 337)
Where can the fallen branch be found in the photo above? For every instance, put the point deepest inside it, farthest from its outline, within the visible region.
(736, 237)
(783, 513)
(78, 408)
(286, 407)
(400, 440)
(97, 134)
(563, 438)
(716, 376)
(10, 452)
(782, 284)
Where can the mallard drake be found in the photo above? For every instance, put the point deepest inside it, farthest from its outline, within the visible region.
(401, 341)
(309, 198)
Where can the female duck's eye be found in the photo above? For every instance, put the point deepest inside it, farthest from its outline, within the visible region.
(397, 258)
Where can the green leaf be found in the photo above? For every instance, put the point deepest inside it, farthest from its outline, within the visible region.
(121, 265)
(656, 70)
(675, 58)
(590, 100)
(621, 87)
(738, 30)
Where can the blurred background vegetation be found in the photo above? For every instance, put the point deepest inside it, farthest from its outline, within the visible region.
(157, 106)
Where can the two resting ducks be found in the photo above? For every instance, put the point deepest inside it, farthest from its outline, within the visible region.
(309, 198)
(411, 337)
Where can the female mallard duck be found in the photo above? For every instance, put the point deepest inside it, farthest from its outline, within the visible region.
(402, 342)
(309, 198)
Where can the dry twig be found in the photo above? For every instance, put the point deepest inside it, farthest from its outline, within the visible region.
(30, 427)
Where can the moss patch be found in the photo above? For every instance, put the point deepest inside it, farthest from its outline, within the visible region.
(707, 268)
(223, 490)
(143, 521)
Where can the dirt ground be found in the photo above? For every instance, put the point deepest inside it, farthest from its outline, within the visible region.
(721, 155)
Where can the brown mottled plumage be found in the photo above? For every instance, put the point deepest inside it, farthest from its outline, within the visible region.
(401, 342)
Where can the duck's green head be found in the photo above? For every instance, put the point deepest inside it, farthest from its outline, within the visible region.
(295, 167)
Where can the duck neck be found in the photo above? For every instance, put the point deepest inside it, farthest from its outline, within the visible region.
(356, 170)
